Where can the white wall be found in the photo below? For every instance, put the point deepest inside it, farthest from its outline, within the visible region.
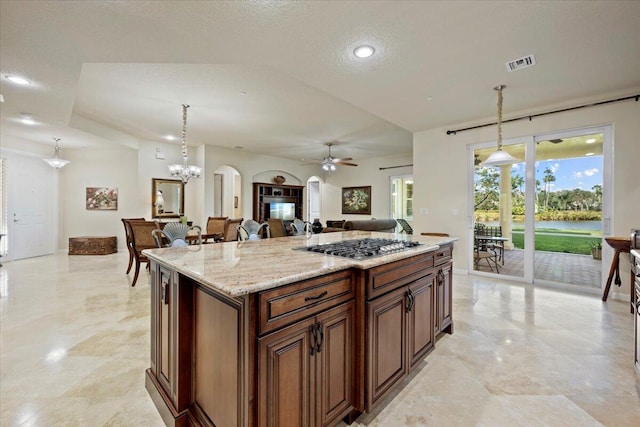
(117, 168)
(441, 174)
(366, 173)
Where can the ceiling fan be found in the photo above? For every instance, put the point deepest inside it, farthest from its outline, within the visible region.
(329, 162)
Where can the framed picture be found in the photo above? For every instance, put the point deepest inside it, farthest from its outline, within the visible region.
(356, 200)
(102, 199)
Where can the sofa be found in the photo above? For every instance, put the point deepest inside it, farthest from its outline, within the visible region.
(380, 225)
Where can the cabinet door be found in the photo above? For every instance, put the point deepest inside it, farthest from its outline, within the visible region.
(285, 380)
(165, 334)
(335, 364)
(420, 333)
(637, 325)
(386, 335)
(444, 299)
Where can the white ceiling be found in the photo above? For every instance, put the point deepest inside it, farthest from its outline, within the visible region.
(129, 65)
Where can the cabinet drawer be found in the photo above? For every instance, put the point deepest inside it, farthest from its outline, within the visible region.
(388, 277)
(281, 306)
(442, 255)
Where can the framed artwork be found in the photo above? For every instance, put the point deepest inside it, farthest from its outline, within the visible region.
(356, 200)
(102, 199)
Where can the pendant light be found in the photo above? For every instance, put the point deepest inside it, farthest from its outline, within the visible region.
(499, 157)
(57, 162)
(184, 171)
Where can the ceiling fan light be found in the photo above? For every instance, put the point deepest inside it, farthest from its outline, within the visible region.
(332, 167)
(325, 167)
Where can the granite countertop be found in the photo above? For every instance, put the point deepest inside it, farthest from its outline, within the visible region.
(240, 268)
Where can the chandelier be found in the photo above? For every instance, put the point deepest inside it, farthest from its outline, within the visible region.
(184, 171)
(499, 157)
(57, 162)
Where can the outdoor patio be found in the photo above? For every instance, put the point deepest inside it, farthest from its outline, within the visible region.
(580, 270)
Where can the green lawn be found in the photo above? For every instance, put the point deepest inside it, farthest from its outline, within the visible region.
(554, 243)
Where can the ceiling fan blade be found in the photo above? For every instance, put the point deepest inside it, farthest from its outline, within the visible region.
(344, 159)
(340, 162)
(311, 163)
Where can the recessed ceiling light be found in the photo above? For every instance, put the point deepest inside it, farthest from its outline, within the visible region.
(589, 154)
(170, 138)
(27, 120)
(429, 98)
(243, 93)
(238, 147)
(364, 51)
(591, 140)
(18, 80)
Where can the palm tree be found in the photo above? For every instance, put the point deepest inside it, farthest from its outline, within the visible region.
(548, 179)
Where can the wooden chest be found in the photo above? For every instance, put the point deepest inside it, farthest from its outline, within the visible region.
(89, 245)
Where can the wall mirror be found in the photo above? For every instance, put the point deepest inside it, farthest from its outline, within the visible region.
(167, 198)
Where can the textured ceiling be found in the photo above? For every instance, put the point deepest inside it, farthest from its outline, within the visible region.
(129, 65)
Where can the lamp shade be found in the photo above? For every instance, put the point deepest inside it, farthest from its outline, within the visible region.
(499, 158)
(56, 161)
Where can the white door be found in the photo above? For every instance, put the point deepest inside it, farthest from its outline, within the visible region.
(313, 202)
(32, 221)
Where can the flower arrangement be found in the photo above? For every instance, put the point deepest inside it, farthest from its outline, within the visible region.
(101, 198)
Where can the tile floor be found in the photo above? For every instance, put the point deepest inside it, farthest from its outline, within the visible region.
(75, 343)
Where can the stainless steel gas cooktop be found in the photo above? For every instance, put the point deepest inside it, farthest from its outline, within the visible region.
(361, 248)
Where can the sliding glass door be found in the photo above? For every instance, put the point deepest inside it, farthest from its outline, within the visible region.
(543, 219)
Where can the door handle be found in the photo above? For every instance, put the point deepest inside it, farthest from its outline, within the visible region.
(314, 341)
(320, 337)
(16, 220)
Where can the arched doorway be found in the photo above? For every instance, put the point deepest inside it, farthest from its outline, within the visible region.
(227, 192)
(314, 198)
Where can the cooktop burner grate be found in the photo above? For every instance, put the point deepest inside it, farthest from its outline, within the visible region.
(362, 248)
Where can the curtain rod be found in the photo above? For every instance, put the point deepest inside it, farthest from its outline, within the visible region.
(393, 167)
(531, 116)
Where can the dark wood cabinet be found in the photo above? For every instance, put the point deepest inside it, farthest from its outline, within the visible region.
(399, 324)
(305, 371)
(635, 284)
(264, 194)
(386, 344)
(168, 330)
(443, 268)
(308, 353)
(420, 334)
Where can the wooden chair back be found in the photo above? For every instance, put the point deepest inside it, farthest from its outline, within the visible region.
(217, 224)
(231, 230)
(276, 228)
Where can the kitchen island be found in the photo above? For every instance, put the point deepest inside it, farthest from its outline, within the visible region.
(261, 334)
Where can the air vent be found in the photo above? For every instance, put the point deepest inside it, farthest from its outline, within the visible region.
(520, 63)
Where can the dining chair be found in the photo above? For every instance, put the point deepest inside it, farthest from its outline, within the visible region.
(217, 225)
(252, 230)
(231, 230)
(406, 228)
(141, 238)
(128, 241)
(481, 252)
(276, 228)
(174, 234)
(300, 227)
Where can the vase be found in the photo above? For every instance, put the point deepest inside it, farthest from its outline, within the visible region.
(316, 227)
(279, 179)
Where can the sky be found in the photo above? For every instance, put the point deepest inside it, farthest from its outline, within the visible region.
(583, 172)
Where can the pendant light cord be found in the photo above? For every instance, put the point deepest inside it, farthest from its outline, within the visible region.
(184, 134)
(499, 89)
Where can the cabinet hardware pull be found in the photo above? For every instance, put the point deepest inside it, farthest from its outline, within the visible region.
(324, 294)
(320, 337)
(314, 333)
(413, 299)
(410, 301)
(165, 293)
